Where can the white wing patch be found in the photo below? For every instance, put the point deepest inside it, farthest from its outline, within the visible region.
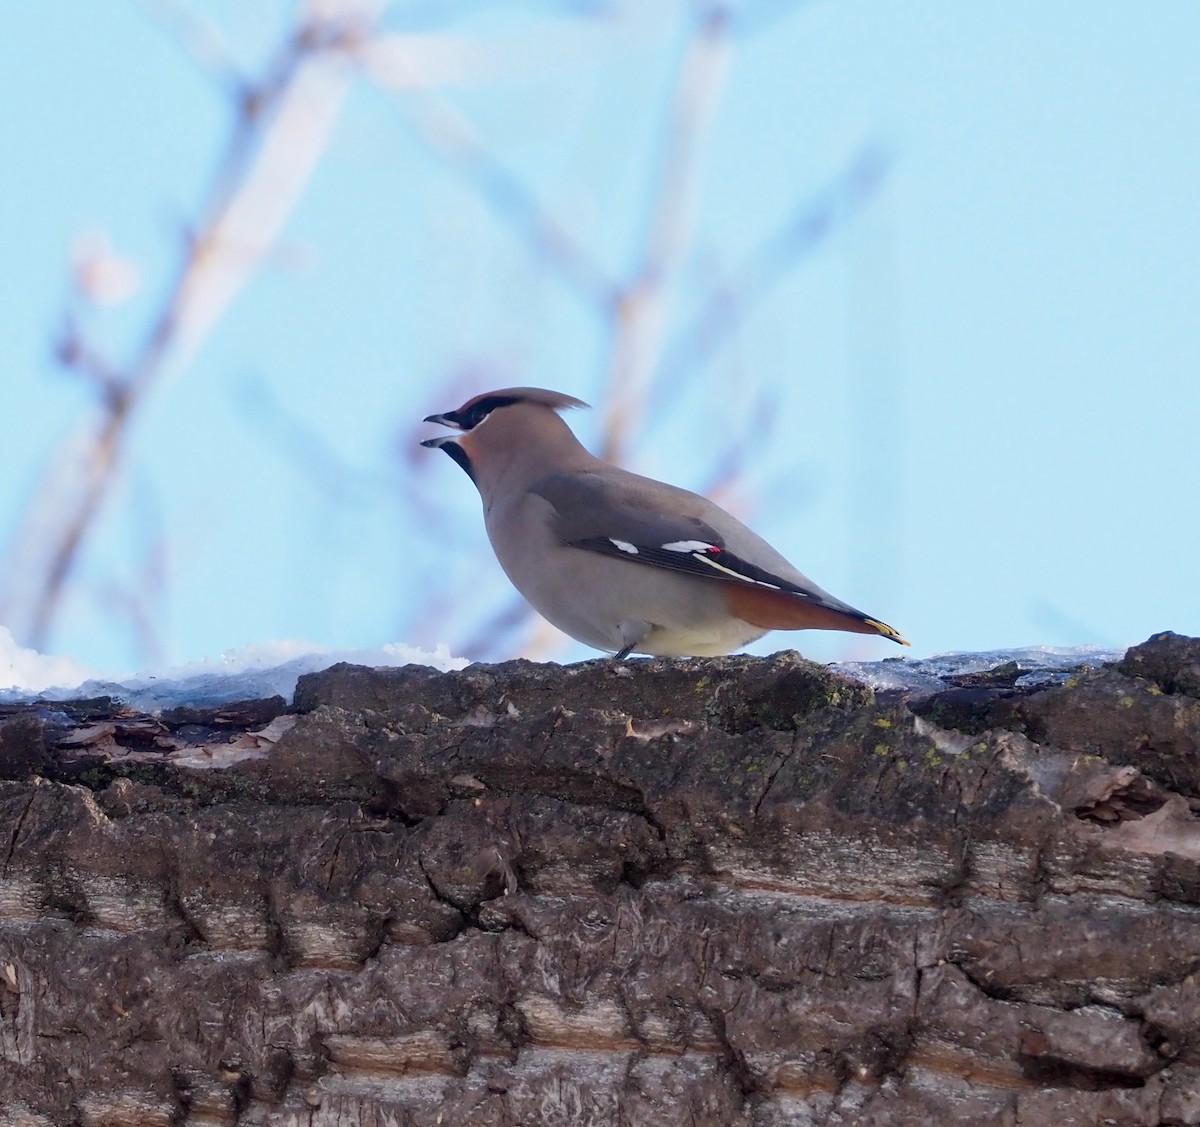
(735, 574)
(701, 551)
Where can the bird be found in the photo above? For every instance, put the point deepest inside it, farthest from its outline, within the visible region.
(624, 563)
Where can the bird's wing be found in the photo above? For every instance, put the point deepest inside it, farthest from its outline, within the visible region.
(621, 515)
(614, 518)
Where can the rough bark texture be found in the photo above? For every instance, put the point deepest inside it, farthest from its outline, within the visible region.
(722, 892)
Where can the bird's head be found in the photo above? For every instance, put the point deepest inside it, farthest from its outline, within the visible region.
(515, 417)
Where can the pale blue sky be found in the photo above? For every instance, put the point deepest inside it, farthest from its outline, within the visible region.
(982, 382)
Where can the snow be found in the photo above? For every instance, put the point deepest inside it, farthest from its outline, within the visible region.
(272, 668)
(28, 670)
(1039, 665)
(251, 673)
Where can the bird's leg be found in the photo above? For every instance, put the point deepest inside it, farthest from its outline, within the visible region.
(633, 632)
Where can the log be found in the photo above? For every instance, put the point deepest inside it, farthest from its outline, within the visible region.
(736, 892)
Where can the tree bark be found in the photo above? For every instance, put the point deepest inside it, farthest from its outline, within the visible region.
(713, 892)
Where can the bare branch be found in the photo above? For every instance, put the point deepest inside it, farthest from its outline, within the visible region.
(450, 138)
(138, 601)
(75, 353)
(641, 307)
(636, 308)
(279, 133)
(487, 641)
(731, 302)
(408, 66)
(305, 449)
(198, 38)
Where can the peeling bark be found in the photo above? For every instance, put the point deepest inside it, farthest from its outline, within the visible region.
(723, 892)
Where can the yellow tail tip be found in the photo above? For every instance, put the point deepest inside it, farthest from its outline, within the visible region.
(888, 632)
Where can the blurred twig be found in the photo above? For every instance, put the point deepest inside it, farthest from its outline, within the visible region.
(449, 136)
(280, 128)
(280, 124)
(510, 619)
(138, 601)
(637, 308)
(197, 38)
(731, 302)
(640, 310)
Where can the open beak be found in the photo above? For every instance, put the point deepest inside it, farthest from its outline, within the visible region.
(450, 444)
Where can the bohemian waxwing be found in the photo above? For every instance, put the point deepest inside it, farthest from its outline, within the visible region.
(622, 562)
